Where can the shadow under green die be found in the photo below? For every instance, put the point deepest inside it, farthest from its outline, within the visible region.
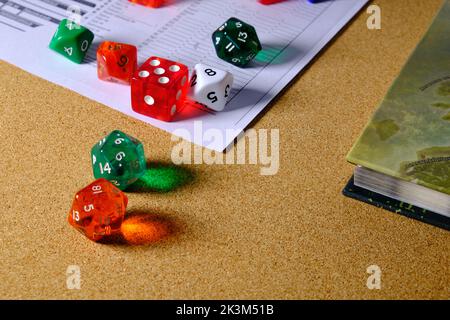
(162, 177)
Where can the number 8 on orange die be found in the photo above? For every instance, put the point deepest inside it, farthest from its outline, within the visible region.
(98, 210)
(116, 62)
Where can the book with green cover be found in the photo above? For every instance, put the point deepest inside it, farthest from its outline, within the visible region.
(353, 191)
(409, 135)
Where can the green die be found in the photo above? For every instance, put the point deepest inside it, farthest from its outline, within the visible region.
(118, 158)
(236, 42)
(71, 40)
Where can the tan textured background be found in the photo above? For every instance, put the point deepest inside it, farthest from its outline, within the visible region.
(238, 234)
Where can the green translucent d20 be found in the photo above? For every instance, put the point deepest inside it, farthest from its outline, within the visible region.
(118, 158)
(71, 40)
(236, 42)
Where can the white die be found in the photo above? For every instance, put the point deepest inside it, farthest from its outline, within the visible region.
(210, 86)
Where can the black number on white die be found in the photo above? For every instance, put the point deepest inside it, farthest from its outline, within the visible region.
(227, 91)
(212, 96)
(194, 80)
(210, 72)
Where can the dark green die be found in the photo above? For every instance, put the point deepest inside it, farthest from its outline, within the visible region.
(118, 158)
(236, 42)
(71, 40)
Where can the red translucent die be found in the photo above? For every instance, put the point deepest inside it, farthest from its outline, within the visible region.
(159, 88)
(116, 62)
(149, 3)
(270, 1)
(98, 210)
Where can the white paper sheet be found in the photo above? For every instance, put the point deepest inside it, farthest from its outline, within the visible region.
(291, 33)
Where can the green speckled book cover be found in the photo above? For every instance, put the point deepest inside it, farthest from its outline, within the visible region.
(409, 135)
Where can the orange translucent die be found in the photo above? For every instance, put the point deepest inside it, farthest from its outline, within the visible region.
(98, 210)
(116, 62)
(149, 3)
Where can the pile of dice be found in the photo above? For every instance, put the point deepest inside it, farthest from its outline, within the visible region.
(159, 87)
(98, 210)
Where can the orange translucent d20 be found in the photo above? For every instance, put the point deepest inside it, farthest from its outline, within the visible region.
(98, 210)
(149, 3)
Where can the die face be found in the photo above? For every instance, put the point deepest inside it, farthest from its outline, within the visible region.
(118, 158)
(152, 104)
(236, 42)
(98, 210)
(149, 3)
(71, 40)
(159, 88)
(116, 62)
(210, 86)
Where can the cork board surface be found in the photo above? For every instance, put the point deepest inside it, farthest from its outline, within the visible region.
(231, 233)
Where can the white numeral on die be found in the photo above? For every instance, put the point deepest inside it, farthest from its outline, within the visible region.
(88, 208)
(104, 168)
(76, 215)
(120, 156)
(69, 50)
